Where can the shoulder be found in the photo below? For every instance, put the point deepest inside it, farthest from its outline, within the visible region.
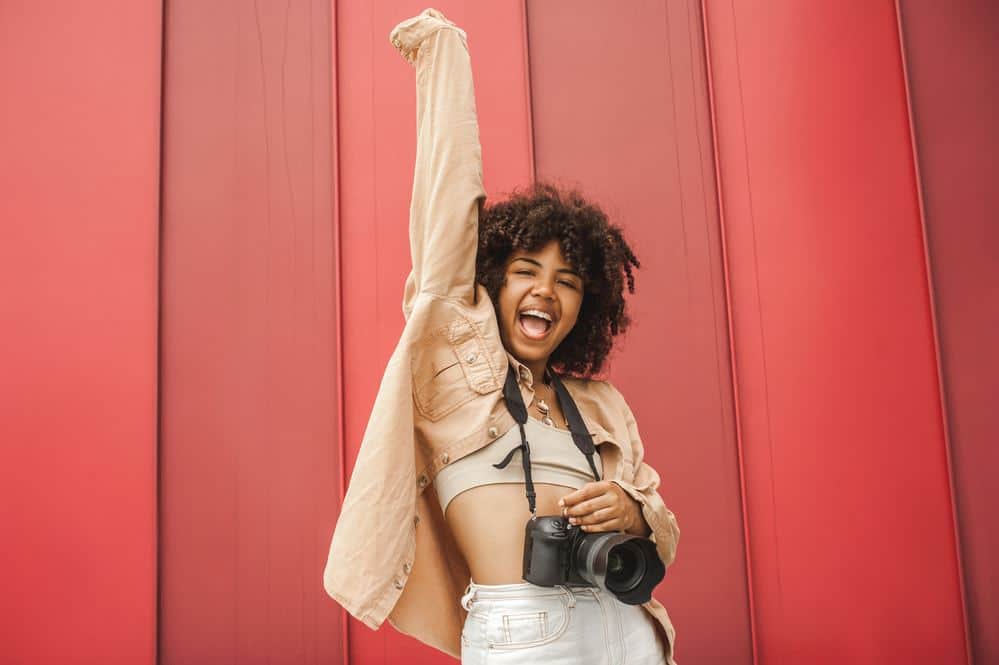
(605, 410)
(598, 395)
(600, 387)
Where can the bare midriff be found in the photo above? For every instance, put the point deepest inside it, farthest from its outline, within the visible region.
(488, 522)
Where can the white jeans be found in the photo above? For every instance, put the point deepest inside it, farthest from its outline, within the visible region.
(526, 623)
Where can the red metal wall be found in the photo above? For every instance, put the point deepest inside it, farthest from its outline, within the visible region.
(79, 176)
(851, 538)
(248, 439)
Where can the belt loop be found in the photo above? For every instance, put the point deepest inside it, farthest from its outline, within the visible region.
(467, 598)
(570, 594)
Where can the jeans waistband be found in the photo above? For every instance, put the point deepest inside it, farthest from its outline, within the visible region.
(521, 590)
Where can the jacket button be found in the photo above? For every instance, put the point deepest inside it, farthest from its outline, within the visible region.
(407, 568)
(493, 432)
(422, 481)
(471, 358)
(445, 458)
(398, 583)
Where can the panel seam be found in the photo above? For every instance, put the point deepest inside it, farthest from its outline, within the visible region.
(526, 35)
(338, 295)
(158, 490)
(731, 331)
(934, 329)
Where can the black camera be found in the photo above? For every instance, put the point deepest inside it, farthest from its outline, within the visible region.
(559, 553)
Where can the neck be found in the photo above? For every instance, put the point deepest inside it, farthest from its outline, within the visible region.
(537, 368)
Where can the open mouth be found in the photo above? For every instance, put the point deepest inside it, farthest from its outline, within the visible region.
(535, 324)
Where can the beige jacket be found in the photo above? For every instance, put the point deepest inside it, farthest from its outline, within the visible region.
(392, 555)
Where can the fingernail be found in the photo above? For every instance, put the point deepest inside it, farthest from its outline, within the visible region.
(561, 502)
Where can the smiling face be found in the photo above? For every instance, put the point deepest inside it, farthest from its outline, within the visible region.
(538, 304)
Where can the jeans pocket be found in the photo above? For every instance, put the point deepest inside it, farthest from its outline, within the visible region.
(513, 630)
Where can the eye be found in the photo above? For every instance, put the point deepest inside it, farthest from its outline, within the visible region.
(567, 283)
(524, 272)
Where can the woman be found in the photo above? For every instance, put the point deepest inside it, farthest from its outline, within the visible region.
(504, 304)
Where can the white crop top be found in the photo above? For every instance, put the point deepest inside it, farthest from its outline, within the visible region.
(555, 459)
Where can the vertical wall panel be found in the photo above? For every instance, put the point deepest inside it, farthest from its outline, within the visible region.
(848, 499)
(377, 132)
(623, 114)
(79, 180)
(951, 50)
(248, 436)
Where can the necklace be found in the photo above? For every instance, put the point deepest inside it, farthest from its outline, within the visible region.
(545, 410)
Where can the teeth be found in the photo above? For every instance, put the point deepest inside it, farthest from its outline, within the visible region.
(541, 315)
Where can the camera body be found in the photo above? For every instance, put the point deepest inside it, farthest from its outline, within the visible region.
(557, 553)
(550, 546)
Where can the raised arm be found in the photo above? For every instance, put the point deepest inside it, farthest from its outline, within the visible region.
(447, 182)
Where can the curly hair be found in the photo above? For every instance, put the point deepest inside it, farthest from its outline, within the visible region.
(595, 248)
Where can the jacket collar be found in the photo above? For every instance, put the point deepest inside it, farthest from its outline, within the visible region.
(524, 374)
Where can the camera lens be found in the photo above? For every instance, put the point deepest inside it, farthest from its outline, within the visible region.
(625, 568)
(615, 564)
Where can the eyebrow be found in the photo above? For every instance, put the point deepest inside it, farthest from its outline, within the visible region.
(538, 264)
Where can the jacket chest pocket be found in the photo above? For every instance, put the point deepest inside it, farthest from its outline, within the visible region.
(451, 367)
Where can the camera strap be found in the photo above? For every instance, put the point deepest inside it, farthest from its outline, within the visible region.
(580, 435)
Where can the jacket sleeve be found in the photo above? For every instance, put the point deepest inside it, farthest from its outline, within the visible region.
(447, 180)
(643, 488)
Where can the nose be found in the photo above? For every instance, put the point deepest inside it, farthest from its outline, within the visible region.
(543, 289)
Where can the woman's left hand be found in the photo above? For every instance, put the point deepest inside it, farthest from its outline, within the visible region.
(604, 506)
